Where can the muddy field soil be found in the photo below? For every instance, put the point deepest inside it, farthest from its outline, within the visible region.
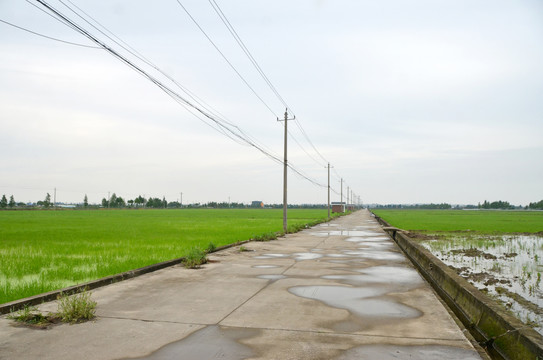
(507, 267)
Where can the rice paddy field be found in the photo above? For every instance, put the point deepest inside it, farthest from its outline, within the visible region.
(500, 252)
(42, 251)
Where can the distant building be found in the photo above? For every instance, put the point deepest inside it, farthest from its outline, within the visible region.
(338, 207)
(257, 204)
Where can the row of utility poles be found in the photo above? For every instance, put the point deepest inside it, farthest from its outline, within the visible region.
(350, 195)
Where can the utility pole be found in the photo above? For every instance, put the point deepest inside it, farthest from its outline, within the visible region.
(347, 198)
(285, 204)
(328, 191)
(341, 190)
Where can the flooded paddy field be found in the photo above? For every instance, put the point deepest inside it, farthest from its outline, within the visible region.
(506, 267)
(499, 252)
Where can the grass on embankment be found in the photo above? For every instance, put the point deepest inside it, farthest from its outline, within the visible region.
(42, 251)
(460, 220)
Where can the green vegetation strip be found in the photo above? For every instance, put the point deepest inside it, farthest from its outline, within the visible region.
(43, 251)
(462, 220)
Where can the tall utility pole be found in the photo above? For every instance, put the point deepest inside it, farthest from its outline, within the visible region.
(285, 173)
(328, 190)
(347, 198)
(181, 201)
(341, 190)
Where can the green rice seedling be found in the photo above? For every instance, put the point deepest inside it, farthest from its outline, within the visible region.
(195, 258)
(42, 251)
(211, 247)
(76, 308)
(489, 222)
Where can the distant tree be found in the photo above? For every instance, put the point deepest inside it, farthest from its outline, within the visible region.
(496, 205)
(130, 203)
(164, 202)
(536, 205)
(156, 203)
(113, 200)
(47, 201)
(174, 205)
(85, 201)
(11, 201)
(3, 202)
(105, 203)
(119, 202)
(139, 201)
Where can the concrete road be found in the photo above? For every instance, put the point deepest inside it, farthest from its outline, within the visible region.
(341, 290)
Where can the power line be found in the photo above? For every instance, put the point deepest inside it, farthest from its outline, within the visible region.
(189, 93)
(230, 130)
(241, 44)
(48, 37)
(225, 58)
(309, 141)
(244, 48)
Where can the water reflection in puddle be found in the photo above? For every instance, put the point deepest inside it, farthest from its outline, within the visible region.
(369, 239)
(347, 233)
(265, 266)
(273, 277)
(407, 278)
(361, 301)
(296, 256)
(306, 256)
(376, 255)
(211, 342)
(271, 256)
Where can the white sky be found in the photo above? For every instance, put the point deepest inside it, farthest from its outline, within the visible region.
(410, 101)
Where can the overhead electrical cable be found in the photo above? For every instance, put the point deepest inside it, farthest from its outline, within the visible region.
(49, 37)
(141, 57)
(308, 140)
(232, 131)
(157, 82)
(225, 58)
(241, 44)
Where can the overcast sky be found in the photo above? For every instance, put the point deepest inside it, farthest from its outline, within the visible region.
(410, 101)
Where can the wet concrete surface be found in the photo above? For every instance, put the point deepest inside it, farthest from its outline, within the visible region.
(341, 290)
(212, 342)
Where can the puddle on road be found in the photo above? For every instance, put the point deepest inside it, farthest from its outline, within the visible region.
(271, 256)
(403, 279)
(211, 342)
(306, 256)
(272, 277)
(368, 239)
(421, 352)
(376, 255)
(296, 256)
(361, 301)
(265, 266)
(346, 233)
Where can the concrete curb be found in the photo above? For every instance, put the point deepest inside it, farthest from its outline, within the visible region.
(501, 334)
